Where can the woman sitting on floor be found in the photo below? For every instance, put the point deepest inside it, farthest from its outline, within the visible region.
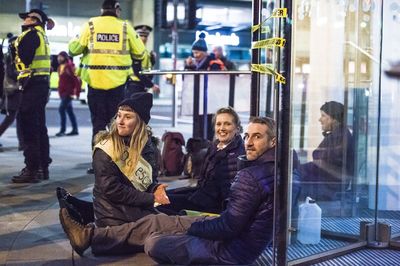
(218, 170)
(125, 188)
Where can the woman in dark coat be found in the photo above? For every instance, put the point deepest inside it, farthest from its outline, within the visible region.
(218, 170)
(332, 168)
(125, 188)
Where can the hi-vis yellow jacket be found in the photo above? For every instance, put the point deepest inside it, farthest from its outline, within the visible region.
(145, 65)
(107, 44)
(41, 61)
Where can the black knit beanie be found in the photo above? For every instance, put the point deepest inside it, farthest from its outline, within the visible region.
(200, 44)
(334, 110)
(141, 103)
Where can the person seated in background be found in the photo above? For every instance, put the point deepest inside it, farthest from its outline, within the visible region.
(237, 237)
(125, 187)
(218, 51)
(218, 169)
(201, 60)
(332, 167)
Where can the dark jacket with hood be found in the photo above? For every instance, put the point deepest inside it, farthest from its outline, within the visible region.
(244, 229)
(217, 173)
(115, 199)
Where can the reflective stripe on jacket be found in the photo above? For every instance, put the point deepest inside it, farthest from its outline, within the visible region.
(41, 61)
(107, 44)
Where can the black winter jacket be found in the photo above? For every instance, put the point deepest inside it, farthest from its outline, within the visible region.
(217, 174)
(245, 228)
(115, 199)
(332, 166)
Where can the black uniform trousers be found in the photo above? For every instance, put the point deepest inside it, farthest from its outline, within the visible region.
(32, 120)
(103, 106)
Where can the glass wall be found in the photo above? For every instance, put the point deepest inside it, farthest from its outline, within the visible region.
(343, 124)
(389, 175)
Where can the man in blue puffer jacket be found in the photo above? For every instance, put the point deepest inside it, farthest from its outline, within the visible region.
(237, 236)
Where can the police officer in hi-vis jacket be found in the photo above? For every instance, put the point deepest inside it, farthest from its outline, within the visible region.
(137, 82)
(107, 44)
(33, 65)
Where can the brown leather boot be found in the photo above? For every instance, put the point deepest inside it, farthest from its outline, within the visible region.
(43, 173)
(26, 176)
(79, 235)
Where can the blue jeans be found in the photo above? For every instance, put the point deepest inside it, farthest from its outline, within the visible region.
(66, 107)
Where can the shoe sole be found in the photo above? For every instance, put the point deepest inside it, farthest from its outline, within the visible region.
(43, 177)
(17, 181)
(58, 193)
(73, 212)
(75, 248)
(61, 198)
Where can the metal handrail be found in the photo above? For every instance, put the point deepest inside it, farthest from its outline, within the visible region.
(193, 72)
(196, 93)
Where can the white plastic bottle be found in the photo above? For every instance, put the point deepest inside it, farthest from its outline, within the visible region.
(309, 223)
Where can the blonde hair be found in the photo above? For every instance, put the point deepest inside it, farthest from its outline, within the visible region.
(138, 140)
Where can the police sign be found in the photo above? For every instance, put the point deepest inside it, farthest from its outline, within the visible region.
(107, 37)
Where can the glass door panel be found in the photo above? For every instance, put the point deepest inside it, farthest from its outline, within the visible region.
(335, 97)
(389, 176)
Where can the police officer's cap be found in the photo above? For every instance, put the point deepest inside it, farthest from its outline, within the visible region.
(40, 16)
(110, 4)
(143, 30)
(35, 13)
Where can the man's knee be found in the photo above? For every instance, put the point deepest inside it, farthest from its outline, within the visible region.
(155, 248)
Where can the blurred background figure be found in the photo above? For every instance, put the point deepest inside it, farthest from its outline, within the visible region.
(10, 93)
(2, 71)
(201, 60)
(68, 88)
(138, 82)
(218, 52)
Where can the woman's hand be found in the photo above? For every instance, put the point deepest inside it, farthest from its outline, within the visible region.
(189, 61)
(160, 196)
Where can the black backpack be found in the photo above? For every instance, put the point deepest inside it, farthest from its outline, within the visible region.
(196, 149)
